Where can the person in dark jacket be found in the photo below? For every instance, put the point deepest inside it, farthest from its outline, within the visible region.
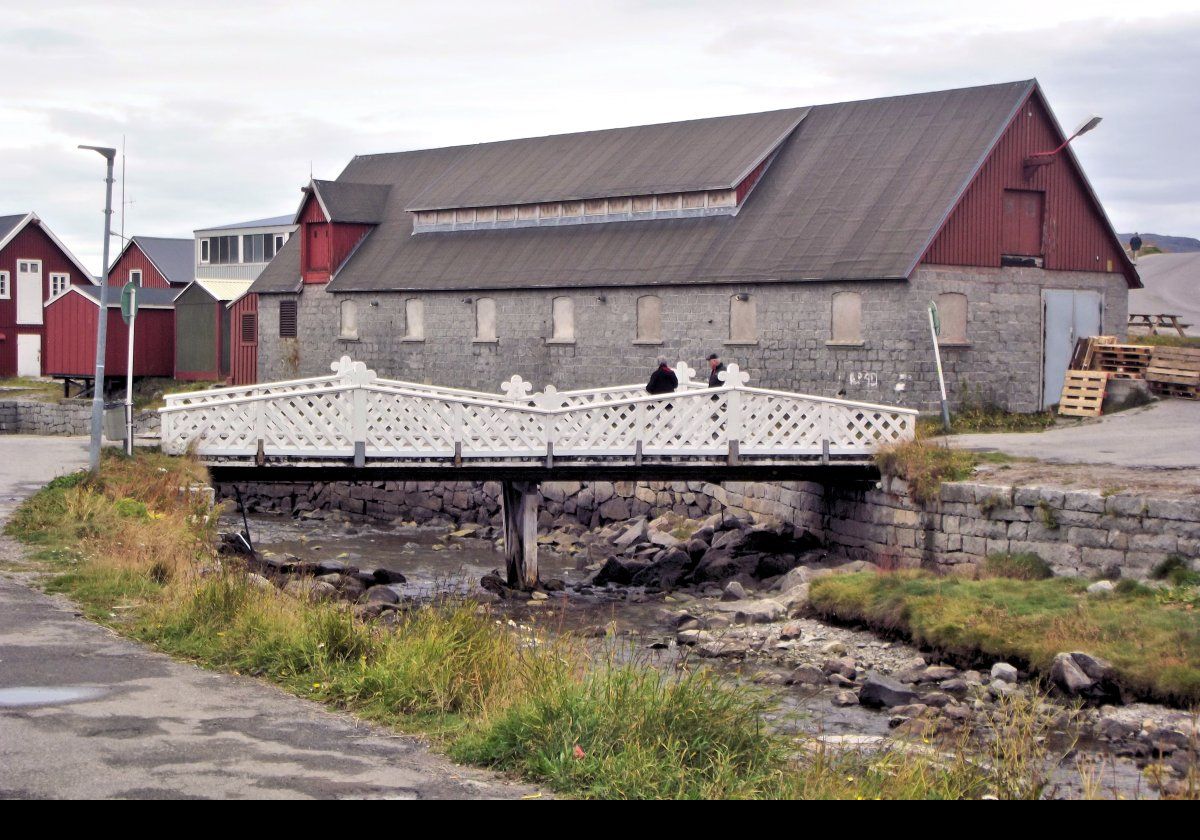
(663, 380)
(714, 367)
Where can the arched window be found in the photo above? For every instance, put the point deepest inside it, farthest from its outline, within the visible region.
(485, 319)
(743, 320)
(563, 316)
(349, 327)
(649, 319)
(952, 312)
(414, 320)
(846, 323)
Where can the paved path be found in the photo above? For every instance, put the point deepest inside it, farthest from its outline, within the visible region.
(1172, 287)
(1164, 434)
(85, 713)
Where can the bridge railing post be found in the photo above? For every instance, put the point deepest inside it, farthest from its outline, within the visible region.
(457, 421)
(359, 425)
(733, 424)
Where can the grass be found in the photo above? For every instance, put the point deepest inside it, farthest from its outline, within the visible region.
(926, 466)
(1022, 566)
(134, 548)
(25, 388)
(1166, 340)
(148, 393)
(977, 413)
(1151, 637)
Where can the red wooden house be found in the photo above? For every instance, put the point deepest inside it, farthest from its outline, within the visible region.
(71, 321)
(34, 267)
(155, 263)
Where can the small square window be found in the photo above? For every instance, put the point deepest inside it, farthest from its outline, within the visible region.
(5, 294)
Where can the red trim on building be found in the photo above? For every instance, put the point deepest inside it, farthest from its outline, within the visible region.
(133, 258)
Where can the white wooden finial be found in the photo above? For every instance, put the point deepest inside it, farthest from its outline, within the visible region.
(548, 399)
(356, 373)
(684, 372)
(734, 376)
(516, 388)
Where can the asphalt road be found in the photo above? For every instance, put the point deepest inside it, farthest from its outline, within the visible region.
(1163, 434)
(85, 713)
(1172, 287)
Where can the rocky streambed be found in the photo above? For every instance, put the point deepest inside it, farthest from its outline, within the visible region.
(732, 592)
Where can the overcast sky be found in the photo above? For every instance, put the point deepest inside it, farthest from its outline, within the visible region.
(225, 106)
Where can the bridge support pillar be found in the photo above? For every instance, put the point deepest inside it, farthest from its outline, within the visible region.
(520, 501)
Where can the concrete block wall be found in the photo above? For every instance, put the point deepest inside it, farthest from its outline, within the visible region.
(1002, 361)
(66, 417)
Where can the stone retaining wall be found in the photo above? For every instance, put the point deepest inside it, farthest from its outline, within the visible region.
(1082, 533)
(66, 417)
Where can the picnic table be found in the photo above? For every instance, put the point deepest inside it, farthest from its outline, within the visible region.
(1154, 322)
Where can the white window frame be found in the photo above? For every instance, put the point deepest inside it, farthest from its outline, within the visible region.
(5, 286)
(138, 272)
(204, 254)
(60, 281)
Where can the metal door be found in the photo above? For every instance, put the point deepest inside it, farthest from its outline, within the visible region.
(1068, 316)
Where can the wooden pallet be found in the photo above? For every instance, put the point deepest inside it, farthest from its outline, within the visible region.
(1175, 372)
(1083, 393)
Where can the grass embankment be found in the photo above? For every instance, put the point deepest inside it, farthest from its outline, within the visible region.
(21, 387)
(1166, 340)
(1151, 637)
(135, 551)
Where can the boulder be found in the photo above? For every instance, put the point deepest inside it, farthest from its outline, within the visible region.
(666, 572)
(662, 538)
(734, 591)
(795, 599)
(844, 666)
(634, 534)
(382, 595)
(1080, 674)
(879, 692)
(1101, 587)
(809, 675)
(617, 571)
(762, 611)
(937, 674)
(310, 590)
(845, 698)
(791, 630)
(1004, 672)
(795, 577)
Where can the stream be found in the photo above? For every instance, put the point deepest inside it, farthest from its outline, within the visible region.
(629, 622)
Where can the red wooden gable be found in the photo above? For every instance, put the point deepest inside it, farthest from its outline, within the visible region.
(324, 246)
(1048, 212)
(134, 258)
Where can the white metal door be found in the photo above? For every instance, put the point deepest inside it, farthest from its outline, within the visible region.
(1068, 316)
(29, 291)
(29, 355)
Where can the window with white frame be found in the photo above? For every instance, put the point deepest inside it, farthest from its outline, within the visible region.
(414, 320)
(135, 276)
(5, 292)
(204, 250)
(485, 319)
(59, 283)
(563, 316)
(846, 319)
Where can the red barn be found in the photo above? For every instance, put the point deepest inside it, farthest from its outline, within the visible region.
(71, 321)
(34, 267)
(155, 263)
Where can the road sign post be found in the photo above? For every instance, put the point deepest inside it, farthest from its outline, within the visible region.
(935, 329)
(129, 296)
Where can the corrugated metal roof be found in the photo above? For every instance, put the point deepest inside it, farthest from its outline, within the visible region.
(855, 192)
(352, 203)
(706, 154)
(273, 221)
(174, 258)
(223, 290)
(148, 298)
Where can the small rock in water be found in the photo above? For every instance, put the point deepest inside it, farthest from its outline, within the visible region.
(845, 698)
(734, 591)
(1004, 672)
(878, 692)
(791, 630)
(538, 596)
(810, 675)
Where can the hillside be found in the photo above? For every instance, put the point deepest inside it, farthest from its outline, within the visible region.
(1166, 244)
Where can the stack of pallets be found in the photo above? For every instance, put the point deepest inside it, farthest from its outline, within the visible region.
(1175, 372)
(1121, 361)
(1083, 393)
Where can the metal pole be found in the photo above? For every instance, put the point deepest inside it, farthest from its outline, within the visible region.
(937, 355)
(102, 325)
(129, 381)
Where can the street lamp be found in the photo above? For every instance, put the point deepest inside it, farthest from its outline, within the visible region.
(1045, 158)
(102, 322)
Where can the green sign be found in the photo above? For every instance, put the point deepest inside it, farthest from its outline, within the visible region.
(129, 301)
(937, 321)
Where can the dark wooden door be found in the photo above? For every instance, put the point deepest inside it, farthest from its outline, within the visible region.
(1024, 212)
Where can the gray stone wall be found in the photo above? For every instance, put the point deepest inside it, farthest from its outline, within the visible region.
(1081, 533)
(65, 417)
(1001, 363)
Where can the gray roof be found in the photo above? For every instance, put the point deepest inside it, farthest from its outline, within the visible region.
(858, 190)
(7, 223)
(349, 202)
(174, 258)
(273, 221)
(147, 298)
(708, 154)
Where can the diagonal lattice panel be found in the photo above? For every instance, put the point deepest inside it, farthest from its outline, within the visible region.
(309, 424)
(404, 425)
(687, 424)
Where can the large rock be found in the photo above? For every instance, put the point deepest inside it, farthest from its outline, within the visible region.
(1084, 675)
(762, 611)
(308, 589)
(382, 595)
(879, 692)
(632, 535)
(666, 572)
(795, 599)
(720, 564)
(618, 571)
(1003, 672)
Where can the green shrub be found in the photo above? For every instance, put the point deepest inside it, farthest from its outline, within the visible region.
(1022, 566)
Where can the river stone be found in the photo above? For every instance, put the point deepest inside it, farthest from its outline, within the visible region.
(791, 630)
(310, 590)
(879, 692)
(1004, 672)
(258, 581)
(762, 611)
(1081, 674)
(795, 599)
(388, 576)
(632, 535)
(382, 595)
(937, 673)
(810, 675)
(845, 698)
(844, 666)
(734, 591)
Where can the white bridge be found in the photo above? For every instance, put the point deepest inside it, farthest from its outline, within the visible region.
(352, 425)
(353, 418)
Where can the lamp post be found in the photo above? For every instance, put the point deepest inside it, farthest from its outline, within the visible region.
(102, 322)
(1045, 158)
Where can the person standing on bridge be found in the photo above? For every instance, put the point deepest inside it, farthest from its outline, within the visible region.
(715, 367)
(663, 380)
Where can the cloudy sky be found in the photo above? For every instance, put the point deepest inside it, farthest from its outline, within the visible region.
(225, 106)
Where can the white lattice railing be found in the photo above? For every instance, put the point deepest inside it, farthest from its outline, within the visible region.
(354, 414)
